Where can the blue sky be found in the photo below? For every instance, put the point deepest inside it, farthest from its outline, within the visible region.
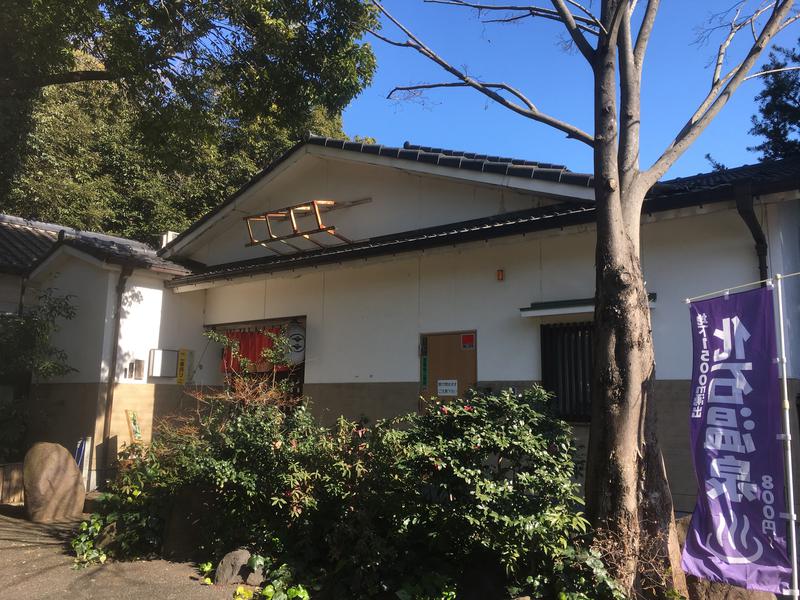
(528, 55)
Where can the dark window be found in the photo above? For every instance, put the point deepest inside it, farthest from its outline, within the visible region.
(567, 368)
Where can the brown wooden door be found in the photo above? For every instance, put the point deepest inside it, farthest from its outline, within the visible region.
(448, 364)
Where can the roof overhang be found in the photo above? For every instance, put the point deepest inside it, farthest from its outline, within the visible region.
(61, 251)
(64, 249)
(557, 308)
(496, 226)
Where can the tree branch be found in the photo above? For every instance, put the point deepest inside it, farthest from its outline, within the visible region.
(630, 106)
(584, 24)
(719, 95)
(529, 110)
(723, 47)
(575, 33)
(646, 28)
(588, 13)
(461, 84)
(770, 72)
(29, 83)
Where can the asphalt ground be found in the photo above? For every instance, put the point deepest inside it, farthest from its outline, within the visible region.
(36, 562)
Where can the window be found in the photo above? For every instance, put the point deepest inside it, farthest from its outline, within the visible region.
(567, 368)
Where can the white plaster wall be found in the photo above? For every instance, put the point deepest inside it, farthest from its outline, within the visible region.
(684, 258)
(782, 223)
(82, 338)
(9, 293)
(182, 327)
(140, 324)
(400, 201)
(156, 318)
(364, 319)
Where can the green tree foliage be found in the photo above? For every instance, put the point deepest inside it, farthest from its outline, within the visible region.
(181, 101)
(255, 57)
(778, 118)
(25, 339)
(88, 162)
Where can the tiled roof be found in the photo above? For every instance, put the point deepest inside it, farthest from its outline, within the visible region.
(24, 243)
(763, 177)
(21, 244)
(512, 167)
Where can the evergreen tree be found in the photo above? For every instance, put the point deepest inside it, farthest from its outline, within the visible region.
(136, 116)
(778, 118)
(92, 159)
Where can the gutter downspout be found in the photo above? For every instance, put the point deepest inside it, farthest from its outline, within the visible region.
(746, 209)
(112, 369)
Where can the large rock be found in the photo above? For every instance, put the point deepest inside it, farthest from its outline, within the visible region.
(702, 589)
(54, 489)
(233, 568)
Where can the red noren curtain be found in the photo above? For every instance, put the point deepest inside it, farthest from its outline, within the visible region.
(252, 343)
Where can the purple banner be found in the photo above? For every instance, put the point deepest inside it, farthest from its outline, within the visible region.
(738, 532)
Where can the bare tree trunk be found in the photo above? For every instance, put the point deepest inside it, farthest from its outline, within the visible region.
(628, 496)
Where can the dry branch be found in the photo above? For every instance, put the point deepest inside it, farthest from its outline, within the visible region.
(526, 109)
(587, 25)
(724, 86)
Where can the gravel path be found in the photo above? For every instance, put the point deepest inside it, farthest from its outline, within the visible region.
(35, 562)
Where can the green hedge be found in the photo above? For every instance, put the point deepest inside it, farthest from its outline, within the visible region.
(476, 492)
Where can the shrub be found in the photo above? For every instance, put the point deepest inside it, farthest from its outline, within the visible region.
(416, 507)
(27, 350)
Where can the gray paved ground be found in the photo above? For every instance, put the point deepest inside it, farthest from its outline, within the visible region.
(35, 563)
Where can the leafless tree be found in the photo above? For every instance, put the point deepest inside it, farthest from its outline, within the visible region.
(626, 487)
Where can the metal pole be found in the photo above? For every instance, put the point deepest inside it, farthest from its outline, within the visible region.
(788, 439)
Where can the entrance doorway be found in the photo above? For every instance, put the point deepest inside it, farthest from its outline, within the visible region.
(448, 364)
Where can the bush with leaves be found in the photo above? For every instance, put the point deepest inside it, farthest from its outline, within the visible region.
(415, 507)
(25, 338)
(27, 350)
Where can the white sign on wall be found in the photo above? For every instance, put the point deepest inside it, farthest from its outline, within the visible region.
(447, 387)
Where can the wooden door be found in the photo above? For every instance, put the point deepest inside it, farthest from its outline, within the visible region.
(448, 364)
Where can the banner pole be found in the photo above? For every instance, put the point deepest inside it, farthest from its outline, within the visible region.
(788, 439)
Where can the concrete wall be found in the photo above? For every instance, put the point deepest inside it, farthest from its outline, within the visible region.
(364, 320)
(67, 408)
(67, 412)
(782, 225)
(64, 413)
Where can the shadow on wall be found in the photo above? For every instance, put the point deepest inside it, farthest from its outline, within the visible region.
(125, 362)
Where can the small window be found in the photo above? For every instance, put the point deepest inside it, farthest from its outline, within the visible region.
(567, 368)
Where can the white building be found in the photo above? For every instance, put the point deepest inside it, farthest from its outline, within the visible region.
(448, 271)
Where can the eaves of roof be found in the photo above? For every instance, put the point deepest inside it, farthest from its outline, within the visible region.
(117, 255)
(514, 223)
